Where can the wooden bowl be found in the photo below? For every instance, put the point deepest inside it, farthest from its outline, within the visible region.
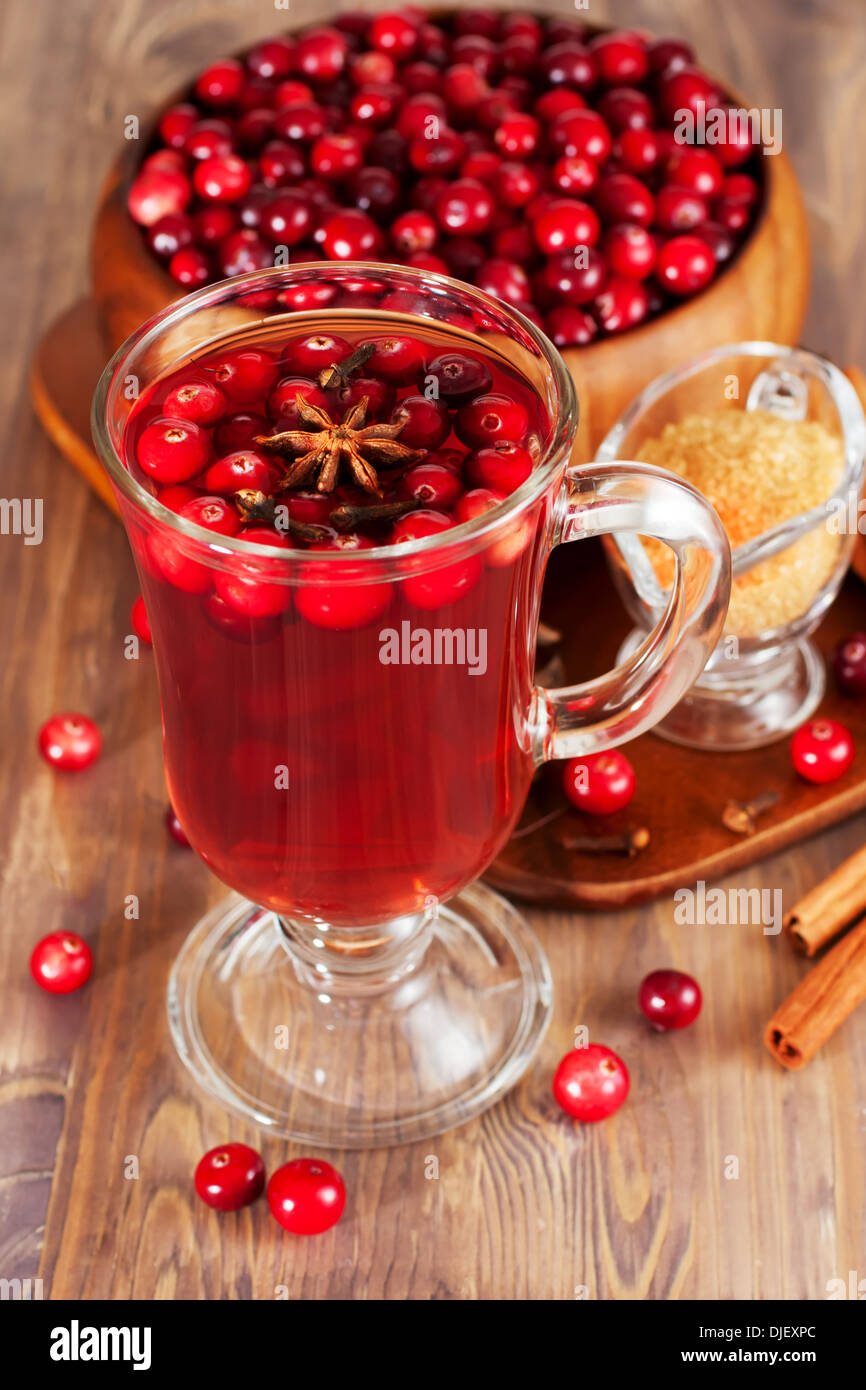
(762, 294)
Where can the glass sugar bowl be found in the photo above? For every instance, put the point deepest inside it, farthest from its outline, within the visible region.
(774, 437)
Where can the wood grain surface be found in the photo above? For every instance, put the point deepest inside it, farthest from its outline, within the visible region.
(99, 1127)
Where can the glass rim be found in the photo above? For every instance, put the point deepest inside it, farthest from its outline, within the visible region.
(564, 426)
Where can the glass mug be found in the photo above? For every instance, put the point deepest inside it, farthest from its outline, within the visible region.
(364, 989)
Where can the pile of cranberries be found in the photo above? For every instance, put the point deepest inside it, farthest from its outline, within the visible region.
(528, 156)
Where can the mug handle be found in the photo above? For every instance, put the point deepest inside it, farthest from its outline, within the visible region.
(634, 497)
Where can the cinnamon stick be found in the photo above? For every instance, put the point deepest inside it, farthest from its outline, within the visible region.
(829, 907)
(822, 1000)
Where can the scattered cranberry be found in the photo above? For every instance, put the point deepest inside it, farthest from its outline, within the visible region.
(230, 1177)
(308, 1195)
(61, 962)
(822, 750)
(70, 741)
(670, 999)
(600, 783)
(849, 664)
(591, 1083)
(140, 623)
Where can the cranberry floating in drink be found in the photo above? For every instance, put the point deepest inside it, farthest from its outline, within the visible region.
(364, 471)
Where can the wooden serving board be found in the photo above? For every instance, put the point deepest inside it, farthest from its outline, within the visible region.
(680, 792)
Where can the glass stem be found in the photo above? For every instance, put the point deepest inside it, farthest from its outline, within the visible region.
(355, 960)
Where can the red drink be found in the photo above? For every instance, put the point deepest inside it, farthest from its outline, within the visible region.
(346, 739)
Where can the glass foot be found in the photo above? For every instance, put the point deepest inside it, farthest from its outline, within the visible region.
(744, 704)
(360, 1058)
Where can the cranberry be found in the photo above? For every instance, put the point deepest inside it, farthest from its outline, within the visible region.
(419, 525)
(685, 89)
(569, 327)
(557, 102)
(173, 450)
(375, 105)
(157, 192)
(741, 187)
(463, 87)
(336, 157)
(458, 377)
(623, 198)
(320, 54)
(499, 467)
(374, 67)
(721, 242)
(465, 207)
(437, 588)
(569, 64)
(621, 57)
(61, 962)
(591, 1083)
(282, 403)
(376, 191)
(272, 59)
(630, 251)
(670, 55)
(327, 601)
(190, 268)
(600, 783)
(252, 586)
(518, 135)
(849, 664)
(176, 124)
(351, 236)
(175, 829)
(515, 244)
(199, 401)
(574, 280)
(625, 108)
(567, 224)
(230, 1177)
(379, 396)
(463, 256)
(425, 423)
(242, 469)
(822, 750)
(670, 999)
(685, 265)
(170, 234)
(414, 231)
(431, 484)
(243, 252)
(638, 150)
(394, 34)
(70, 741)
(177, 495)
(503, 280)
(696, 169)
(575, 173)
(280, 163)
(140, 624)
(221, 83)
(245, 374)
(224, 178)
(398, 360)
(736, 145)
(732, 214)
(287, 219)
(307, 1196)
(302, 123)
(491, 418)
(581, 133)
(680, 209)
(440, 154)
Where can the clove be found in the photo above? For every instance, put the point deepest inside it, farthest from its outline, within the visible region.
(630, 842)
(740, 816)
(347, 515)
(338, 373)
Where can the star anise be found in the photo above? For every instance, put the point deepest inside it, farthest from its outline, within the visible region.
(324, 446)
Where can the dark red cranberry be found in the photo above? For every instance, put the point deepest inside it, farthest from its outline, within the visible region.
(581, 132)
(575, 279)
(414, 231)
(282, 403)
(680, 209)
(439, 155)
(375, 191)
(230, 1177)
(622, 304)
(425, 423)
(670, 999)
(302, 123)
(174, 827)
(568, 327)
(272, 59)
(280, 163)
(623, 198)
(669, 55)
(379, 396)
(466, 207)
(696, 169)
(849, 664)
(721, 242)
(685, 89)
(244, 251)
(320, 54)
(245, 468)
(388, 150)
(732, 214)
(626, 108)
(287, 219)
(170, 234)
(504, 280)
(569, 64)
(253, 129)
(238, 431)
(208, 139)
(458, 377)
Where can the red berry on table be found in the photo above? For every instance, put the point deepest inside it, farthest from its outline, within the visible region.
(849, 664)
(70, 741)
(140, 624)
(306, 1196)
(230, 1177)
(174, 827)
(670, 999)
(591, 1083)
(822, 750)
(61, 962)
(599, 783)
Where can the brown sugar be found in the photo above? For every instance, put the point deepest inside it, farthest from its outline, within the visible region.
(757, 469)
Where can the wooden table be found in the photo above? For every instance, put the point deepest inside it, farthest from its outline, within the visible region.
(100, 1127)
